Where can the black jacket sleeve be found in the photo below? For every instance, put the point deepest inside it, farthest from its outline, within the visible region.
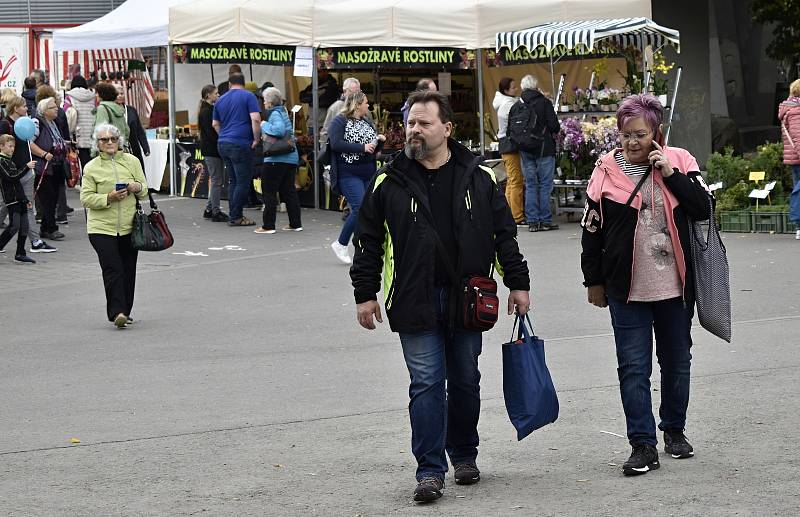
(692, 194)
(553, 125)
(515, 270)
(365, 273)
(136, 127)
(592, 242)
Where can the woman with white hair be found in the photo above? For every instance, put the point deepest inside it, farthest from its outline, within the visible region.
(49, 149)
(111, 183)
(279, 170)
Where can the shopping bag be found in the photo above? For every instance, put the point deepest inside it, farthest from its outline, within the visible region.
(712, 286)
(530, 396)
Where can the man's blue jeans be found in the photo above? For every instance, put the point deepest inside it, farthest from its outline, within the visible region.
(794, 204)
(634, 324)
(443, 420)
(538, 172)
(239, 160)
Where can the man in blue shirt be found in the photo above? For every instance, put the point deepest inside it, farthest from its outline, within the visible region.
(237, 119)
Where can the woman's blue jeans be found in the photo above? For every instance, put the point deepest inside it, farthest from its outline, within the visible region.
(634, 324)
(353, 187)
(794, 206)
(445, 394)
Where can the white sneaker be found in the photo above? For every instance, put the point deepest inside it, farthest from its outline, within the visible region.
(797, 235)
(341, 253)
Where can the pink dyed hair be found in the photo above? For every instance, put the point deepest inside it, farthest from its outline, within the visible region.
(641, 105)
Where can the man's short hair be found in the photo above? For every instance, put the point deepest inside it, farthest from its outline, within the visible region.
(29, 83)
(237, 79)
(234, 69)
(528, 82)
(424, 84)
(349, 82)
(425, 96)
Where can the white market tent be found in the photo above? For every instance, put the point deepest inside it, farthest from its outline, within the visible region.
(135, 23)
(350, 23)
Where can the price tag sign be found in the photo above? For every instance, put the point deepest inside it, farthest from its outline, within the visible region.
(757, 175)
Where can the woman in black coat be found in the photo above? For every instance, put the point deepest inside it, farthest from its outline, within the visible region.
(137, 140)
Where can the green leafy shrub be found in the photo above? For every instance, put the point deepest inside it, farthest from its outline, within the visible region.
(727, 168)
(769, 159)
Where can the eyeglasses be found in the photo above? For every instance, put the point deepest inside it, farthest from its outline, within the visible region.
(53, 108)
(627, 137)
(108, 140)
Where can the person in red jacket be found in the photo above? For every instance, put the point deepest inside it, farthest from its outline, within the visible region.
(789, 115)
(636, 260)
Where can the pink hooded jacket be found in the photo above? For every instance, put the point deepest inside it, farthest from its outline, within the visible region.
(789, 115)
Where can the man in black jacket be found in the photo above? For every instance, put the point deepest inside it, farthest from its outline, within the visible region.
(436, 186)
(538, 159)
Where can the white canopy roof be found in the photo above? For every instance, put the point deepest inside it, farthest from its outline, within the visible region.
(135, 23)
(353, 23)
(623, 31)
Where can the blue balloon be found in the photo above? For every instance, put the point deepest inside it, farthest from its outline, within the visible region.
(24, 128)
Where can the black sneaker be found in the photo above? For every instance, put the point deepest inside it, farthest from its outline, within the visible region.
(533, 227)
(24, 259)
(70, 209)
(522, 223)
(644, 458)
(42, 247)
(428, 489)
(62, 221)
(547, 227)
(466, 473)
(220, 217)
(207, 214)
(675, 444)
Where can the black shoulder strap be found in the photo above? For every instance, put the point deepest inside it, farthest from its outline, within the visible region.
(638, 187)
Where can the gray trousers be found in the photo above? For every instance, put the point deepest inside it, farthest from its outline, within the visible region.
(27, 180)
(215, 171)
(3, 212)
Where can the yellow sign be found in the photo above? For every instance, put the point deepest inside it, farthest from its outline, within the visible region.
(757, 175)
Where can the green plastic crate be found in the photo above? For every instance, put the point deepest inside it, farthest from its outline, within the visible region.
(739, 221)
(788, 227)
(768, 222)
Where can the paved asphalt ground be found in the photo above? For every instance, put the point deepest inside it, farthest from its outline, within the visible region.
(247, 388)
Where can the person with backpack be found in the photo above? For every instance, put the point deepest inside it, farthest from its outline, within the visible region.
(532, 124)
(504, 99)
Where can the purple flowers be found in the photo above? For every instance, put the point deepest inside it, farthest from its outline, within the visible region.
(582, 143)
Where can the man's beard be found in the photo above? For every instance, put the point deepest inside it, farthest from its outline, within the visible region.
(419, 152)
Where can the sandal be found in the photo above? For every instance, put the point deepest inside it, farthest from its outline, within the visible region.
(242, 221)
(261, 229)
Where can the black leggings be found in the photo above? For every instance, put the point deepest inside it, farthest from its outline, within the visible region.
(118, 262)
(17, 223)
(48, 197)
(278, 178)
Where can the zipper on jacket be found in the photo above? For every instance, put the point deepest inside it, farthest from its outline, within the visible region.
(468, 201)
(414, 206)
(116, 177)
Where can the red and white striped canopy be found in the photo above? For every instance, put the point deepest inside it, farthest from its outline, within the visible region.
(141, 94)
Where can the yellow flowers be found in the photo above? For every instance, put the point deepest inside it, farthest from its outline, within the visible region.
(660, 64)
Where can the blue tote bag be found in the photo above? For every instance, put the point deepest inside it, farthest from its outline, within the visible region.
(530, 396)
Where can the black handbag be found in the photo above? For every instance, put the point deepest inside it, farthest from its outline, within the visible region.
(150, 231)
(274, 146)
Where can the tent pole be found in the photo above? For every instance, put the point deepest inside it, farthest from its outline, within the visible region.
(479, 60)
(314, 125)
(552, 74)
(672, 104)
(173, 188)
(251, 70)
(212, 73)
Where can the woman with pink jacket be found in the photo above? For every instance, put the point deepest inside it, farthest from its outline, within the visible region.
(789, 115)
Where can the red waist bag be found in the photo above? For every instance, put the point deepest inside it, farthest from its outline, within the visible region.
(481, 304)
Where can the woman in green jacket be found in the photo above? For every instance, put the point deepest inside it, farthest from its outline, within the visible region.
(111, 182)
(109, 112)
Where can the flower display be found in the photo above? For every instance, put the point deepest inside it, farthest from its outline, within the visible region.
(581, 144)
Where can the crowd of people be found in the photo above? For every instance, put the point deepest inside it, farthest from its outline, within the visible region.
(432, 218)
(63, 135)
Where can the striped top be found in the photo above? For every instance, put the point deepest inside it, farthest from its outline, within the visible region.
(631, 169)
